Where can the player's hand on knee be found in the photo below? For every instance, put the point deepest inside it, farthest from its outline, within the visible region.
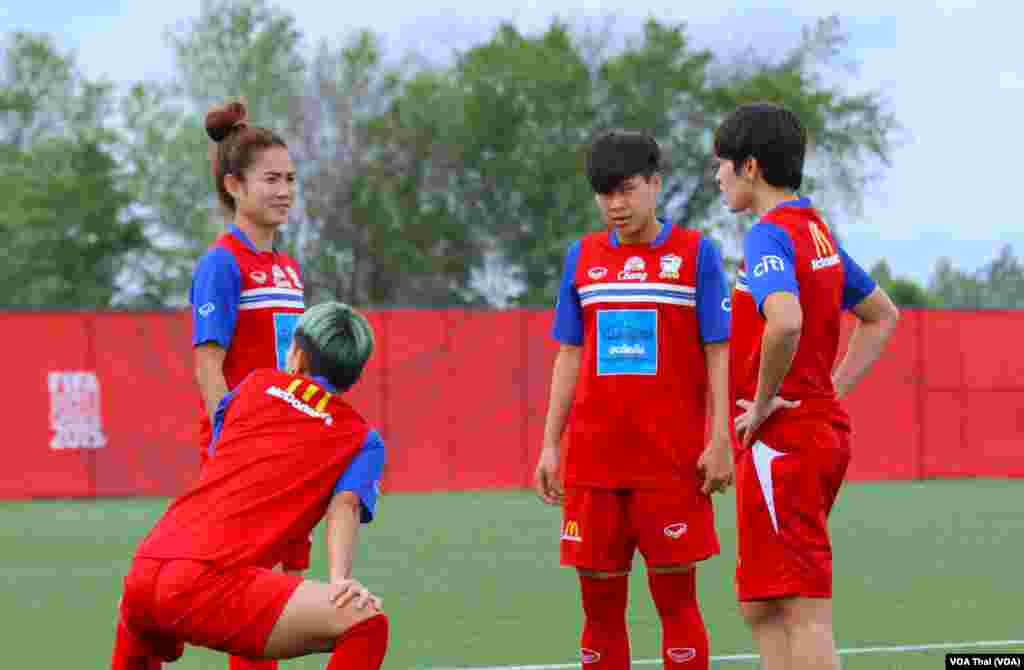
(349, 590)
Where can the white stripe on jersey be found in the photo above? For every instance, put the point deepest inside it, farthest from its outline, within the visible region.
(268, 304)
(742, 287)
(663, 299)
(639, 286)
(255, 292)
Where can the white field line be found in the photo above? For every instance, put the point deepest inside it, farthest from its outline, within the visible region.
(727, 658)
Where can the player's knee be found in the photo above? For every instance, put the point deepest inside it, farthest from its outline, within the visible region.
(763, 613)
(604, 596)
(345, 619)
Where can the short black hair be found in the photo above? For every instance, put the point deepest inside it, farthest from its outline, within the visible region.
(770, 133)
(338, 341)
(617, 155)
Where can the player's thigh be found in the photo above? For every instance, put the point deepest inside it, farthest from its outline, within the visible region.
(595, 534)
(675, 528)
(310, 623)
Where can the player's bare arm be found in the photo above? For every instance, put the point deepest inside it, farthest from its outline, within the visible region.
(783, 322)
(209, 362)
(342, 534)
(876, 320)
(715, 463)
(564, 376)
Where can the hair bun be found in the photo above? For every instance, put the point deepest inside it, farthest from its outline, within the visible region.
(220, 121)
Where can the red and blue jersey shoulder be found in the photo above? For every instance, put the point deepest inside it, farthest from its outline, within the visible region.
(246, 301)
(792, 250)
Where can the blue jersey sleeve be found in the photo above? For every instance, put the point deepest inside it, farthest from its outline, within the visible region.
(215, 294)
(857, 284)
(362, 476)
(568, 327)
(712, 294)
(770, 259)
(218, 418)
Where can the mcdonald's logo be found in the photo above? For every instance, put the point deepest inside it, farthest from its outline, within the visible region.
(822, 245)
(571, 532)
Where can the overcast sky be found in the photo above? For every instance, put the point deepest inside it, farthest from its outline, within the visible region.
(953, 71)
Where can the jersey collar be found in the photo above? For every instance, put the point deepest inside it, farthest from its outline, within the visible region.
(802, 202)
(666, 230)
(237, 232)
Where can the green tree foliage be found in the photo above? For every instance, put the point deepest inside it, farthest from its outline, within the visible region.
(65, 215)
(904, 292)
(999, 284)
(430, 185)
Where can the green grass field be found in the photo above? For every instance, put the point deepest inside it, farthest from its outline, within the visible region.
(472, 579)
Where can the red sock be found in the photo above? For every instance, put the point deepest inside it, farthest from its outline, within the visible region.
(684, 639)
(362, 647)
(242, 663)
(605, 643)
(130, 653)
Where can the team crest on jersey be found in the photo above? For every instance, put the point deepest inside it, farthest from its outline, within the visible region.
(258, 277)
(597, 273)
(670, 265)
(635, 268)
(589, 656)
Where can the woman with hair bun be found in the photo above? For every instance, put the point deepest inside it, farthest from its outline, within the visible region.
(247, 295)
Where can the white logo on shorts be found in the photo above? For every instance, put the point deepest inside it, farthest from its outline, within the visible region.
(207, 309)
(676, 530)
(681, 654)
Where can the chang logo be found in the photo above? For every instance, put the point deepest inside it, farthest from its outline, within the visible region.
(635, 269)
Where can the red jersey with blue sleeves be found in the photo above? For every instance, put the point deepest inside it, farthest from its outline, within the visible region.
(248, 302)
(791, 250)
(284, 445)
(642, 314)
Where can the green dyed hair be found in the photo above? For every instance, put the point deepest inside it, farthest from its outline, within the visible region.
(338, 341)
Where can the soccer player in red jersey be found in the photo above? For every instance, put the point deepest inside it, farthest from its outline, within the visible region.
(643, 326)
(246, 295)
(787, 306)
(287, 451)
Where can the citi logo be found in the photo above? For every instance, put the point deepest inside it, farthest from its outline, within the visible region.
(769, 264)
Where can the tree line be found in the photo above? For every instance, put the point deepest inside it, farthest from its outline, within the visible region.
(420, 183)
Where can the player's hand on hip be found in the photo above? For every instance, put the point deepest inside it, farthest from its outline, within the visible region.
(755, 414)
(346, 591)
(546, 480)
(715, 465)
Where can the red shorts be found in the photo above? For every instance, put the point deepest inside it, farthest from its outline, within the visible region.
(296, 557)
(786, 485)
(602, 528)
(169, 603)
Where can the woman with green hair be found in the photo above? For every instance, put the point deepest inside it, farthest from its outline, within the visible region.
(287, 452)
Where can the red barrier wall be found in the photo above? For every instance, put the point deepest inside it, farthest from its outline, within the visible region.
(103, 404)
